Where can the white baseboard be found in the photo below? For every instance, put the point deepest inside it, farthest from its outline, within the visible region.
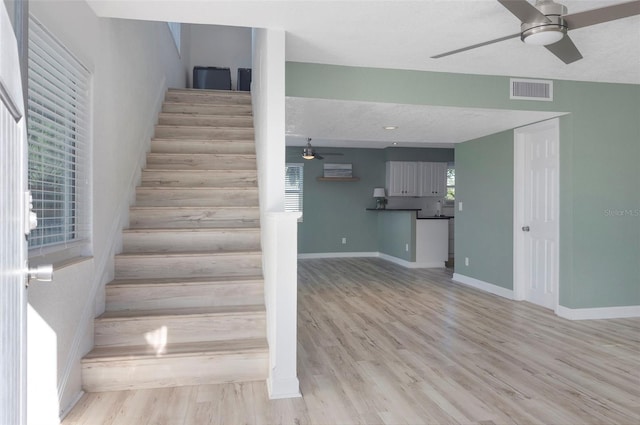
(483, 286)
(410, 264)
(396, 260)
(337, 255)
(65, 410)
(283, 388)
(598, 312)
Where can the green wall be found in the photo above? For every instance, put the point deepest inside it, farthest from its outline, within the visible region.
(599, 157)
(333, 210)
(396, 230)
(484, 227)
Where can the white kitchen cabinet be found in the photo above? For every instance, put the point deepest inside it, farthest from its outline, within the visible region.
(432, 179)
(402, 178)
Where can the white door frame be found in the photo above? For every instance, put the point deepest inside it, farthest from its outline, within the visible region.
(519, 205)
(13, 252)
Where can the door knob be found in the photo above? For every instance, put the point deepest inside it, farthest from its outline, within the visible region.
(525, 228)
(42, 273)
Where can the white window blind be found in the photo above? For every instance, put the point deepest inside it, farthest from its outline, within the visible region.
(293, 184)
(58, 128)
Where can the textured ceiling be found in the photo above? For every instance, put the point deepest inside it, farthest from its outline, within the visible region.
(360, 124)
(403, 35)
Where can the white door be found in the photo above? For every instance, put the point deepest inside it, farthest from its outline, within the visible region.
(410, 176)
(13, 247)
(536, 258)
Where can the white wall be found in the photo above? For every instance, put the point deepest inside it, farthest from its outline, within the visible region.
(221, 46)
(132, 63)
(279, 229)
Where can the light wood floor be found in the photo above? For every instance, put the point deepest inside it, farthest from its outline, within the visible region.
(382, 344)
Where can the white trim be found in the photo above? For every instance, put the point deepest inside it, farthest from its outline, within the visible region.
(67, 409)
(287, 388)
(598, 312)
(410, 264)
(337, 255)
(374, 254)
(483, 286)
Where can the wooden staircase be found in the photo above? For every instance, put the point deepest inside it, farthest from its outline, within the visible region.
(187, 303)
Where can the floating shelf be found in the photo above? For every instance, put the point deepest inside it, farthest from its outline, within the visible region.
(338, 179)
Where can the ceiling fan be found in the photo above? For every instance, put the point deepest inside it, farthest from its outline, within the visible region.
(547, 23)
(310, 153)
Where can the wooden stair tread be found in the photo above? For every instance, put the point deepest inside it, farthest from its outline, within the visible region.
(207, 188)
(208, 155)
(199, 171)
(199, 127)
(186, 254)
(209, 91)
(191, 230)
(236, 280)
(196, 139)
(187, 208)
(181, 312)
(191, 349)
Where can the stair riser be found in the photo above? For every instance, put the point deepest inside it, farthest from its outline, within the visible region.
(162, 295)
(145, 267)
(159, 331)
(205, 120)
(230, 98)
(196, 197)
(201, 162)
(178, 132)
(194, 218)
(204, 109)
(213, 178)
(163, 372)
(191, 241)
(203, 146)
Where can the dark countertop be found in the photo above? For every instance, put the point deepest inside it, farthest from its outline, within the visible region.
(436, 217)
(394, 209)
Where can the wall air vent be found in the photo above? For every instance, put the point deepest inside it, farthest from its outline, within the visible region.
(525, 89)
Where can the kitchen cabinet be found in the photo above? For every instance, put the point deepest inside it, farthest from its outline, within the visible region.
(432, 179)
(402, 178)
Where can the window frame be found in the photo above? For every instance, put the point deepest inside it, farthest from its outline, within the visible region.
(450, 202)
(300, 191)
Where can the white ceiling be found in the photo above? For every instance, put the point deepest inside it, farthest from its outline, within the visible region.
(360, 124)
(403, 35)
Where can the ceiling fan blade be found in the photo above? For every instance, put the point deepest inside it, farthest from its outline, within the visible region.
(475, 46)
(603, 14)
(318, 156)
(524, 11)
(565, 50)
(332, 154)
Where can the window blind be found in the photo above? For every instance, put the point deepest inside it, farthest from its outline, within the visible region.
(57, 129)
(293, 184)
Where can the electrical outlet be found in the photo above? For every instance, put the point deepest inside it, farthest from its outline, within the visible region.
(466, 261)
(459, 205)
(406, 247)
(344, 241)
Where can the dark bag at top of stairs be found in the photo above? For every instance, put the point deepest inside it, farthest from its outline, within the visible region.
(244, 79)
(211, 78)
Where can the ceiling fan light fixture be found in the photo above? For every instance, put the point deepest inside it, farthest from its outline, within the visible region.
(543, 35)
(307, 152)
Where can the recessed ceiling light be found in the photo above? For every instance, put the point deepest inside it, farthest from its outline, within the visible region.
(390, 127)
(395, 143)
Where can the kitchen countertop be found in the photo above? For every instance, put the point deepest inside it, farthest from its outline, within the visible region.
(394, 209)
(436, 217)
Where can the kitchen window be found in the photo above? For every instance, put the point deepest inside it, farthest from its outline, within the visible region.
(450, 197)
(58, 136)
(293, 187)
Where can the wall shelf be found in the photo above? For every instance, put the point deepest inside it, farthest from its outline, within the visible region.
(338, 179)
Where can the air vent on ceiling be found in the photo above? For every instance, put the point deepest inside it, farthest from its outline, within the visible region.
(525, 89)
